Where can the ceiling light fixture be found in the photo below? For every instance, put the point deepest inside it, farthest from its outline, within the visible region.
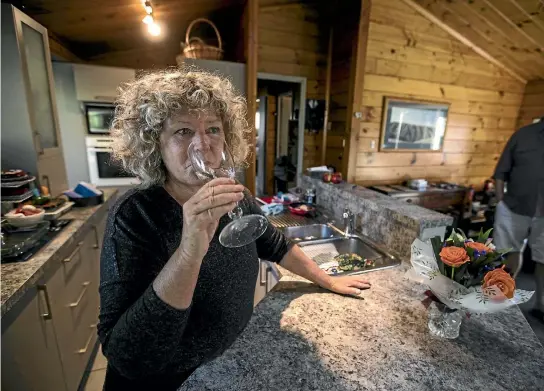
(153, 27)
(148, 8)
(148, 19)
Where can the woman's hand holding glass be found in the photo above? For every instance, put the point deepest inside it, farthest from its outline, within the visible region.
(201, 214)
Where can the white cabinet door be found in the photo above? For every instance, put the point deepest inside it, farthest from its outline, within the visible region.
(30, 356)
(38, 75)
(98, 83)
(52, 173)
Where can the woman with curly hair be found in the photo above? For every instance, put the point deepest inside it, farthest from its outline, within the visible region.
(172, 298)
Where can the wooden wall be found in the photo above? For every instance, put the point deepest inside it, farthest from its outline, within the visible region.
(344, 33)
(532, 105)
(408, 56)
(291, 42)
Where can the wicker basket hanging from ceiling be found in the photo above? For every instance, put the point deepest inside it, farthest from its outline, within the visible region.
(196, 48)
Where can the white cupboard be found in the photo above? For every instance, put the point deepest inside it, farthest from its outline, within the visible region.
(96, 83)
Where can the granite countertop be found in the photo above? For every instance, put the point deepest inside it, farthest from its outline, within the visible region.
(302, 337)
(18, 277)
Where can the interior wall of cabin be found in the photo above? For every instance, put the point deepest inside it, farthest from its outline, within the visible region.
(408, 56)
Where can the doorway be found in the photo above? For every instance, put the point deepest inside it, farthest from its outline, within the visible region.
(279, 123)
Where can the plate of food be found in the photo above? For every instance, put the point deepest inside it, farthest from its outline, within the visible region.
(300, 208)
(25, 216)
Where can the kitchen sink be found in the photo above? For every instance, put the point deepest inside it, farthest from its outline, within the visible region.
(324, 251)
(310, 232)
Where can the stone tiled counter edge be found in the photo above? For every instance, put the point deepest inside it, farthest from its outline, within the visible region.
(18, 278)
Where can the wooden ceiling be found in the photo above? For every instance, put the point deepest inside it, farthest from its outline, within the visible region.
(94, 29)
(511, 31)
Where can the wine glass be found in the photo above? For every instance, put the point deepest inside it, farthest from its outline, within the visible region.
(242, 230)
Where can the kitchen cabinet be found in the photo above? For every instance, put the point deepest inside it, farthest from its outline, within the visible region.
(48, 338)
(30, 126)
(30, 356)
(267, 279)
(96, 83)
(74, 302)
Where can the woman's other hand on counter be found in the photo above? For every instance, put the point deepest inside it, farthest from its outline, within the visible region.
(349, 285)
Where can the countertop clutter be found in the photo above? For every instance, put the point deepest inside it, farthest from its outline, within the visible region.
(302, 337)
(18, 277)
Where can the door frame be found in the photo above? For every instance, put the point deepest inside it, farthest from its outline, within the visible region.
(301, 81)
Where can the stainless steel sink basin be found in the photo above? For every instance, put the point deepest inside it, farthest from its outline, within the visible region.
(310, 232)
(324, 251)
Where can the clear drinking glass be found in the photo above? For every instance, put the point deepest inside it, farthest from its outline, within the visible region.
(242, 230)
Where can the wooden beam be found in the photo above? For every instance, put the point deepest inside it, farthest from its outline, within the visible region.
(252, 12)
(59, 50)
(349, 162)
(327, 99)
(421, 10)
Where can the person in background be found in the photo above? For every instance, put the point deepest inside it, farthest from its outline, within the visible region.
(520, 212)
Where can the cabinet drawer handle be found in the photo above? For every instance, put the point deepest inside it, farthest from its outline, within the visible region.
(268, 271)
(76, 250)
(47, 315)
(97, 244)
(261, 272)
(84, 350)
(76, 303)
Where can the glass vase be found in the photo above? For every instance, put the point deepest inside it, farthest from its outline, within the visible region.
(444, 322)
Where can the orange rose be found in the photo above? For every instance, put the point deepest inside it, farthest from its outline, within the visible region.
(501, 280)
(478, 246)
(454, 256)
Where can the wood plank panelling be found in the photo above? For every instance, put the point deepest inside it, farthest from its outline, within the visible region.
(510, 31)
(532, 105)
(407, 56)
(293, 43)
(345, 25)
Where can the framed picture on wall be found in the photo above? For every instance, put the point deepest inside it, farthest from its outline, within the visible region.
(413, 125)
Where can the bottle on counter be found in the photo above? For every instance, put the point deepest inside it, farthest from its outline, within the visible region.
(310, 196)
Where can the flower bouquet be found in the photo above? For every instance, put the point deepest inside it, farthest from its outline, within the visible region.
(463, 275)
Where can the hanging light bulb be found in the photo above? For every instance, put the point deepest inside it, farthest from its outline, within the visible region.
(154, 29)
(148, 19)
(147, 7)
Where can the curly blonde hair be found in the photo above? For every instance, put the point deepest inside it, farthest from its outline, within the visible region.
(145, 103)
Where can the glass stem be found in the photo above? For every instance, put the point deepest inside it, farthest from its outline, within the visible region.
(236, 213)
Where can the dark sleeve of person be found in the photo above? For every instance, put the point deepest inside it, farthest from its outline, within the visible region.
(136, 327)
(504, 166)
(272, 245)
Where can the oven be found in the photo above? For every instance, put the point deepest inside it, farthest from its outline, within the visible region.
(98, 117)
(103, 170)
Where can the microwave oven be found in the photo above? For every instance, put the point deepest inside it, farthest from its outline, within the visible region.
(98, 117)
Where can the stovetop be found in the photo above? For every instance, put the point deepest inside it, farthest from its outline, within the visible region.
(55, 228)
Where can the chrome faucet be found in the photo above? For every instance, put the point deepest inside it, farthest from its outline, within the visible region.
(349, 222)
